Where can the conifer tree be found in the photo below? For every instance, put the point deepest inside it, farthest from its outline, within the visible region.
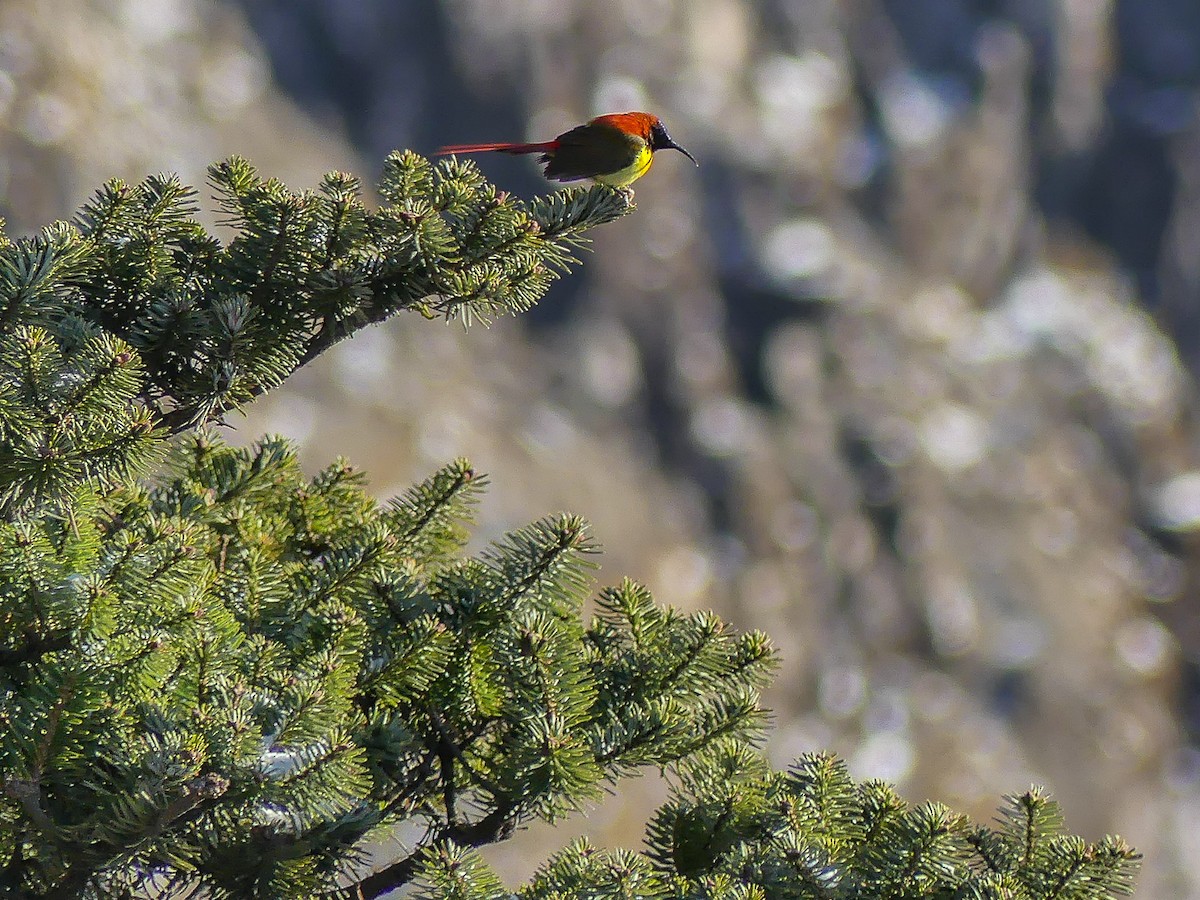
(222, 678)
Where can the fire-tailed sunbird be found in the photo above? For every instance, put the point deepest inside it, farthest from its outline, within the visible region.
(616, 149)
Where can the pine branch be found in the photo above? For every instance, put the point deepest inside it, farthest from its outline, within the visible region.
(404, 256)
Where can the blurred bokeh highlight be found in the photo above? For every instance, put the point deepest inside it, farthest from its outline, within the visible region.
(904, 374)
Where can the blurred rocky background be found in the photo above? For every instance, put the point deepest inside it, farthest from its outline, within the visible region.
(904, 374)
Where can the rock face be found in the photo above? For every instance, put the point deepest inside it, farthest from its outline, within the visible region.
(873, 378)
(936, 429)
(94, 90)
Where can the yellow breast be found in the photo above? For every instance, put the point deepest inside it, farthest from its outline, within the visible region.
(632, 172)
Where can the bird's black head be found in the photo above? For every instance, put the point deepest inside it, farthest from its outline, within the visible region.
(660, 140)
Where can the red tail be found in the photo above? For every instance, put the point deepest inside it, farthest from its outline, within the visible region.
(543, 147)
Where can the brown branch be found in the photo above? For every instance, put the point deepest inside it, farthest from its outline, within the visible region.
(196, 795)
(495, 826)
(28, 792)
(183, 418)
(34, 647)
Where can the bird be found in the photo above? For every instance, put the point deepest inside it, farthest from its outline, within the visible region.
(614, 149)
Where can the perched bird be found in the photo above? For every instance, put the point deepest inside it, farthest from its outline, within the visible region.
(616, 149)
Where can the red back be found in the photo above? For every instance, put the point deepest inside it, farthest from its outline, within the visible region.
(638, 123)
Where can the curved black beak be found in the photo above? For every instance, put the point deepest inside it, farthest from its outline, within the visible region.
(660, 140)
(671, 145)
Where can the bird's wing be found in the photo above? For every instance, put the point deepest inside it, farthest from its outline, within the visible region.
(590, 150)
